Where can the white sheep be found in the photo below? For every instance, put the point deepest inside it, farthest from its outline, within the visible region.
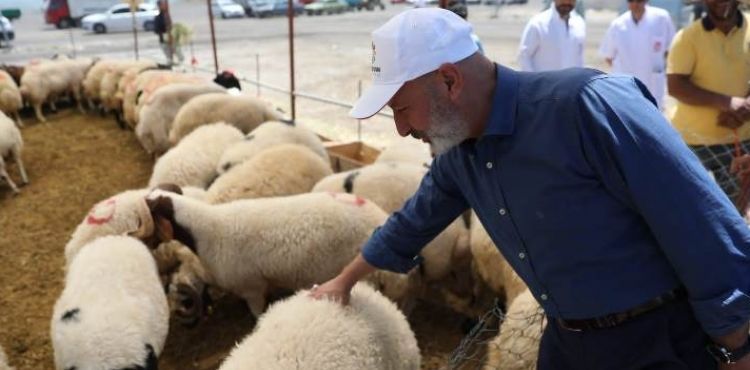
(254, 245)
(4, 361)
(117, 77)
(491, 266)
(286, 169)
(193, 161)
(266, 135)
(303, 333)
(11, 145)
(243, 111)
(113, 312)
(517, 345)
(147, 87)
(390, 185)
(406, 150)
(158, 112)
(10, 97)
(43, 83)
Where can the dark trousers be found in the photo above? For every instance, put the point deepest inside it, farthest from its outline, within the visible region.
(668, 338)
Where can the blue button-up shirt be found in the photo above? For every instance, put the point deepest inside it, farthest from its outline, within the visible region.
(591, 196)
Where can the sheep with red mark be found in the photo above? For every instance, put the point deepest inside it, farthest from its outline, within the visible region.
(113, 312)
(253, 246)
(10, 97)
(303, 333)
(11, 145)
(193, 161)
(158, 112)
(267, 135)
(242, 111)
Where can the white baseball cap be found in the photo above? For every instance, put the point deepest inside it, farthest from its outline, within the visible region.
(412, 44)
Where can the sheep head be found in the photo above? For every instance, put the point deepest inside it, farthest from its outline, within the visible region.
(156, 217)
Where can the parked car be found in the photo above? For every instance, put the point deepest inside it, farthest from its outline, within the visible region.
(119, 19)
(277, 7)
(227, 9)
(326, 6)
(6, 31)
(366, 4)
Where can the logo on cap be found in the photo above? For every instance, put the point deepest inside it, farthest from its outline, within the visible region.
(375, 69)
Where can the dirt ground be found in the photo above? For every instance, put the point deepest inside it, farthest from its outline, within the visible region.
(73, 162)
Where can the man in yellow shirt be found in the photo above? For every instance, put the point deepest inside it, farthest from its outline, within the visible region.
(708, 70)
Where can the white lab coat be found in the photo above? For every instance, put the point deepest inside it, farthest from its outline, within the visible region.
(549, 43)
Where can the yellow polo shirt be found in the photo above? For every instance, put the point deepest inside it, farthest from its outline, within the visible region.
(715, 62)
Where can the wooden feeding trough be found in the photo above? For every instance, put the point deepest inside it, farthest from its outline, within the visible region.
(351, 155)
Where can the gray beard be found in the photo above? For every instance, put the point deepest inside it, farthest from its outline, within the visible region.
(447, 128)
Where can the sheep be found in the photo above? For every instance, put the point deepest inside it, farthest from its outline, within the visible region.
(113, 312)
(14, 71)
(156, 116)
(303, 333)
(75, 70)
(254, 245)
(389, 185)
(517, 345)
(406, 151)
(242, 111)
(92, 82)
(146, 84)
(4, 361)
(491, 266)
(193, 161)
(10, 97)
(282, 170)
(267, 135)
(116, 79)
(11, 144)
(43, 84)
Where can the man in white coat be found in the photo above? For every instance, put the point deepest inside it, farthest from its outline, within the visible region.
(553, 39)
(637, 43)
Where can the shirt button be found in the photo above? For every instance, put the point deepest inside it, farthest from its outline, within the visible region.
(522, 255)
(543, 297)
(489, 165)
(502, 211)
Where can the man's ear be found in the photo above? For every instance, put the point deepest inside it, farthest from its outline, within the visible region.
(450, 77)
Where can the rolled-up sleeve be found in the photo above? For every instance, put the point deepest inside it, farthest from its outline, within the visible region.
(396, 245)
(646, 165)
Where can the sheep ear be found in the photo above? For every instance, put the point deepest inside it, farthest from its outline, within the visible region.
(172, 188)
(164, 229)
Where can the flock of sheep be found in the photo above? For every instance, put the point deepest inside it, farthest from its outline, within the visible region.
(244, 202)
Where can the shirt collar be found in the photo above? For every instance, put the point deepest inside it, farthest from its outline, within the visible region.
(504, 100)
(709, 25)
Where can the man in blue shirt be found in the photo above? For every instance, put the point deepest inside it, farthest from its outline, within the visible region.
(638, 259)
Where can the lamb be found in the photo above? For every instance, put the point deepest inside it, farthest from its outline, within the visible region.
(286, 169)
(193, 161)
(11, 144)
(150, 86)
(242, 111)
(517, 345)
(4, 361)
(10, 97)
(491, 266)
(112, 313)
(156, 116)
(389, 185)
(303, 333)
(406, 151)
(267, 135)
(252, 246)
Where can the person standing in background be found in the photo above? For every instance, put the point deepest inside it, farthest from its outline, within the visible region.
(637, 43)
(163, 27)
(708, 70)
(553, 39)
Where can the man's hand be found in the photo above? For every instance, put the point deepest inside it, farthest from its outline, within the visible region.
(334, 289)
(736, 113)
(741, 166)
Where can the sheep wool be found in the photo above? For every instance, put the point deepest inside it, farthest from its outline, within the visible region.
(267, 135)
(406, 151)
(158, 112)
(10, 97)
(302, 333)
(193, 161)
(113, 312)
(4, 361)
(242, 111)
(286, 169)
(517, 345)
(11, 145)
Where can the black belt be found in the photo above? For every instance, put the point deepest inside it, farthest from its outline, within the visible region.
(615, 319)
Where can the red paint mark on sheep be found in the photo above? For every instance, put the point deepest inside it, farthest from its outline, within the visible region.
(348, 198)
(102, 213)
